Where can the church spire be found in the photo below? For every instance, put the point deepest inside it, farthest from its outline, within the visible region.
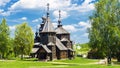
(36, 33)
(59, 20)
(48, 26)
(47, 10)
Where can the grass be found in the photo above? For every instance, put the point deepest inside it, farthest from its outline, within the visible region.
(75, 63)
(78, 60)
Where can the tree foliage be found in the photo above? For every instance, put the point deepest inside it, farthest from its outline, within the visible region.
(82, 48)
(104, 34)
(4, 39)
(23, 40)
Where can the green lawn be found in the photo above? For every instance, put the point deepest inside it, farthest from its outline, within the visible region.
(75, 63)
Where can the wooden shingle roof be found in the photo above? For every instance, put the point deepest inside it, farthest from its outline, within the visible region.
(37, 43)
(46, 48)
(60, 45)
(34, 50)
(61, 30)
(64, 39)
(48, 26)
(50, 44)
(70, 49)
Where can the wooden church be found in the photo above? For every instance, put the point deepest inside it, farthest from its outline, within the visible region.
(52, 43)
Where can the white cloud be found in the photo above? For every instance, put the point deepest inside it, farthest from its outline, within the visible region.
(64, 5)
(4, 13)
(4, 2)
(81, 26)
(9, 12)
(1, 11)
(84, 7)
(24, 18)
(54, 4)
(38, 26)
(70, 28)
(55, 24)
(35, 4)
(37, 20)
(87, 6)
(85, 34)
(12, 28)
(64, 14)
(85, 25)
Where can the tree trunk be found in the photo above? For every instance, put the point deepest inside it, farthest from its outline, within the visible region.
(118, 56)
(22, 53)
(22, 56)
(2, 55)
(118, 59)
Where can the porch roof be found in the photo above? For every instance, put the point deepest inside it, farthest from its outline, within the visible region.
(70, 49)
(60, 45)
(34, 50)
(46, 48)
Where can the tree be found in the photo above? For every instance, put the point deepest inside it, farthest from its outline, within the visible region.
(82, 48)
(24, 40)
(104, 34)
(4, 39)
(11, 54)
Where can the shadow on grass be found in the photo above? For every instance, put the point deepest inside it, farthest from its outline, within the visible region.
(115, 62)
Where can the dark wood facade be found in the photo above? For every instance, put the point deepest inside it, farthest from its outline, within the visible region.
(52, 43)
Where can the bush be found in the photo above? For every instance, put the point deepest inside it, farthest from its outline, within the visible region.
(95, 54)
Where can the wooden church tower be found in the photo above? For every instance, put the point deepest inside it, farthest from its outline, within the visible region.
(51, 43)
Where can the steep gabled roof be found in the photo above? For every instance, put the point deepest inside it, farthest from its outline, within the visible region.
(64, 39)
(34, 50)
(60, 45)
(48, 27)
(46, 48)
(70, 49)
(61, 30)
(50, 44)
(37, 43)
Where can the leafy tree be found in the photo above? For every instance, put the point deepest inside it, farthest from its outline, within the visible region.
(23, 40)
(105, 31)
(10, 54)
(82, 48)
(4, 39)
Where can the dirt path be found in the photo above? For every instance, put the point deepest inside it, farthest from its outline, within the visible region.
(63, 63)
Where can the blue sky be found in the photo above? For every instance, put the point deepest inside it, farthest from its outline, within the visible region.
(75, 15)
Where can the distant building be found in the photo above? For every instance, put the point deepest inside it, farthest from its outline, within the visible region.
(52, 43)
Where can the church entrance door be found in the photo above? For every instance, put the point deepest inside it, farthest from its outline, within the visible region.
(42, 56)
